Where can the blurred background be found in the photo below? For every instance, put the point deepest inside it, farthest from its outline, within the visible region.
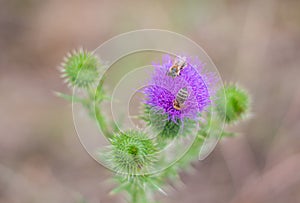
(254, 43)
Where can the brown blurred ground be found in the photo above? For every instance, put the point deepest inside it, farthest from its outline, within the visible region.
(255, 43)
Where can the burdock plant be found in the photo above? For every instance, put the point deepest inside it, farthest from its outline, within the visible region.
(178, 97)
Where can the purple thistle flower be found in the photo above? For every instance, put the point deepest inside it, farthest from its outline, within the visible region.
(163, 89)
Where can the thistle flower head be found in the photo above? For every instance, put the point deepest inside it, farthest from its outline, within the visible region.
(80, 68)
(235, 105)
(190, 88)
(132, 153)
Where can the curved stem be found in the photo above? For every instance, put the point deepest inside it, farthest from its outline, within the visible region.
(101, 122)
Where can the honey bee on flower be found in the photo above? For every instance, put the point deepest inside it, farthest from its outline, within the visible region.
(170, 94)
(181, 97)
(178, 65)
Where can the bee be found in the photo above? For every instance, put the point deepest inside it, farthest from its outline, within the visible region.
(177, 66)
(181, 97)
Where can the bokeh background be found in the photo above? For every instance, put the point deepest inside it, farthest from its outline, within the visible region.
(254, 43)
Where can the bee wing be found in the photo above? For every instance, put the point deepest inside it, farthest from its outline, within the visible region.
(181, 61)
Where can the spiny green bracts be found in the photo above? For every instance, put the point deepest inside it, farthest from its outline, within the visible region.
(132, 153)
(235, 105)
(80, 68)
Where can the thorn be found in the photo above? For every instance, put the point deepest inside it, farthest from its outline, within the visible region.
(56, 93)
(60, 69)
(63, 64)
(66, 58)
(63, 75)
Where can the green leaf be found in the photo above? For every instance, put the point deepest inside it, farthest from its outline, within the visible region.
(228, 134)
(70, 98)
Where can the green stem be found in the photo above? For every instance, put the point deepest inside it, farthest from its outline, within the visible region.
(137, 193)
(101, 122)
(134, 197)
(93, 106)
(134, 192)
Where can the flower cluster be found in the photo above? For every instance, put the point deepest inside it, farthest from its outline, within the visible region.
(178, 92)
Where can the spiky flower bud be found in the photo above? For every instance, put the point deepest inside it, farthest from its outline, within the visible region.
(132, 153)
(235, 105)
(80, 68)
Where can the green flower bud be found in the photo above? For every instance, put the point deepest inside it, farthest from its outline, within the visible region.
(132, 153)
(80, 68)
(233, 103)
